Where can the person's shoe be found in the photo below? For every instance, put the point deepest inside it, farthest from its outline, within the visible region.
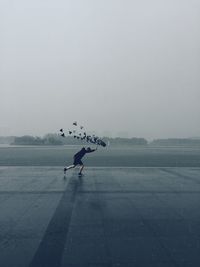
(65, 169)
(80, 174)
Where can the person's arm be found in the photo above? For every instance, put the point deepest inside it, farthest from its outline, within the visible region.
(91, 150)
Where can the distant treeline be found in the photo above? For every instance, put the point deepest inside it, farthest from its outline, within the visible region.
(127, 141)
(48, 139)
(176, 142)
(55, 139)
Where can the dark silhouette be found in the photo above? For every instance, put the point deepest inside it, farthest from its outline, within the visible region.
(77, 159)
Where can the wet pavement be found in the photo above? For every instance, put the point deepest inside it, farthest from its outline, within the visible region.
(109, 217)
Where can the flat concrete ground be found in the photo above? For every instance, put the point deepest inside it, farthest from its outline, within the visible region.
(110, 217)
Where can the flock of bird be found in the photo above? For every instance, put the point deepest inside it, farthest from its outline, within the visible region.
(79, 133)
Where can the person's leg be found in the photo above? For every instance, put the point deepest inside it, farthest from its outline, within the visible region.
(69, 167)
(81, 169)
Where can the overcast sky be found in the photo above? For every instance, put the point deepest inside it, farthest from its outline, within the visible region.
(120, 67)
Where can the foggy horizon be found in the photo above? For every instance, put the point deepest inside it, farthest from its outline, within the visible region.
(128, 68)
(107, 135)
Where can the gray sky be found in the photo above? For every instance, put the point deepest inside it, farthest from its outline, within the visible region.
(129, 67)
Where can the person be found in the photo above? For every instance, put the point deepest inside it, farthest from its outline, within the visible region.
(77, 159)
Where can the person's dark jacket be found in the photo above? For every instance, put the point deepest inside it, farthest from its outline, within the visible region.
(79, 155)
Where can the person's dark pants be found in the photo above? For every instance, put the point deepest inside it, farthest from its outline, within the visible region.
(78, 162)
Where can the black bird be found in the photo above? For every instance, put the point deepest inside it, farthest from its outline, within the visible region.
(70, 132)
(75, 123)
(63, 135)
(61, 130)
